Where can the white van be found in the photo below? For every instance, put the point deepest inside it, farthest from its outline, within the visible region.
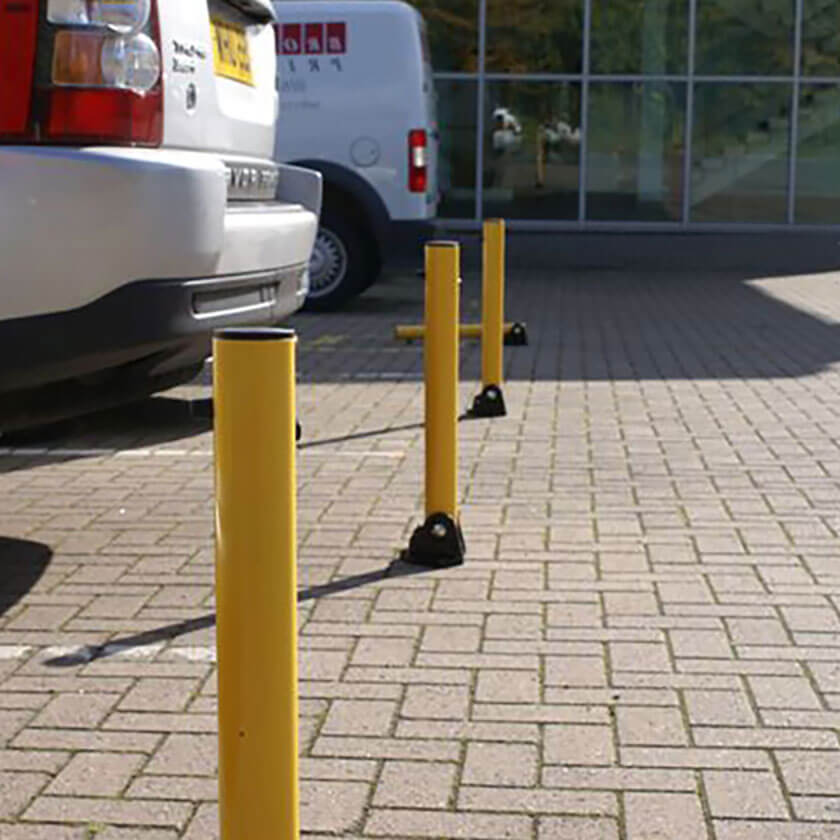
(357, 104)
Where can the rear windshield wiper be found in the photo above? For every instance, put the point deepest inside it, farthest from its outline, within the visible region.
(259, 10)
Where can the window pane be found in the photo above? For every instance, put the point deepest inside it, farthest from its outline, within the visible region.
(453, 33)
(636, 150)
(639, 36)
(740, 152)
(456, 167)
(531, 150)
(740, 38)
(818, 161)
(534, 36)
(821, 37)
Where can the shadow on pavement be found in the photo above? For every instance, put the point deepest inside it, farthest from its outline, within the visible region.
(396, 569)
(91, 653)
(372, 433)
(22, 562)
(152, 422)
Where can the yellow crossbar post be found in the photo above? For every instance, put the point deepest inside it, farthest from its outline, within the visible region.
(514, 332)
(256, 586)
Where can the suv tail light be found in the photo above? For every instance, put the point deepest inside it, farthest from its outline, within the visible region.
(418, 176)
(94, 73)
(18, 31)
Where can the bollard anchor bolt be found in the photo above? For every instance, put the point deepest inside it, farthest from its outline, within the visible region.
(203, 409)
(489, 403)
(437, 544)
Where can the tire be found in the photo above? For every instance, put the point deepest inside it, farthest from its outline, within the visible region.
(344, 261)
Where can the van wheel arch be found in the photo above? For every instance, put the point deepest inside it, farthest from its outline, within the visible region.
(339, 180)
(346, 258)
(339, 200)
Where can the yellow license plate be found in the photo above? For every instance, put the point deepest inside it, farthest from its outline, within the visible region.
(231, 57)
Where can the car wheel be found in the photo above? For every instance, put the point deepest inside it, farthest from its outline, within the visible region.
(343, 260)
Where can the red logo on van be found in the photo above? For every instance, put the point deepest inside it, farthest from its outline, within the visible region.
(312, 38)
(336, 38)
(289, 42)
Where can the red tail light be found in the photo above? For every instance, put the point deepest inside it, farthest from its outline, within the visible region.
(418, 173)
(105, 116)
(18, 30)
(80, 77)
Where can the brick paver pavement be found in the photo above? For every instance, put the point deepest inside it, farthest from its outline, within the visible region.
(644, 643)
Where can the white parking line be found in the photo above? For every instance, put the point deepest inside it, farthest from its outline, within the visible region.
(321, 452)
(371, 453)
(15, 651)
(61, 452)
(385, 376)
(191, 654)
(82, 654)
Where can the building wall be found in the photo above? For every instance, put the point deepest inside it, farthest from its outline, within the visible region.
(650, 113)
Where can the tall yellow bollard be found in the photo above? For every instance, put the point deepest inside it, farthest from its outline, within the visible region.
(256, 583)
(493, 302)
(490, 402)
(439, 543)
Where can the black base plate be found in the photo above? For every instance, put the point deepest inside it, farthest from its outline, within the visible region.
(437, 544)
(517, 336)
(489, 403)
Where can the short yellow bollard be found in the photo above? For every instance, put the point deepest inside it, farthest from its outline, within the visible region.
(490, 402)
(256, 583)
(439, 543)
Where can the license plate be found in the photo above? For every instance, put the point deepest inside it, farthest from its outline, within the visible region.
(231, 57)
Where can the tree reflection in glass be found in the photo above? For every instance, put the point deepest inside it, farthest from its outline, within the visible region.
(743, 37)
(639, 36)
(821, 37)
(534, 36)
(453, 33)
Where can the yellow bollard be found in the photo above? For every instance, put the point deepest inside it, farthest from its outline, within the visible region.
(490, 402)
(514, 332)
(439, 543)
(492, 302)
(256, 583)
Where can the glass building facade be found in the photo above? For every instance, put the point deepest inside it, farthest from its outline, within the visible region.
(638, 113)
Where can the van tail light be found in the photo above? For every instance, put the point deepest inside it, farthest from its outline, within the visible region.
(94, 73)
(418, 172)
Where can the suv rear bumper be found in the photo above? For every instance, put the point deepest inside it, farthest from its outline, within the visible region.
(78, 223)
(154, 325)
(119, 257)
